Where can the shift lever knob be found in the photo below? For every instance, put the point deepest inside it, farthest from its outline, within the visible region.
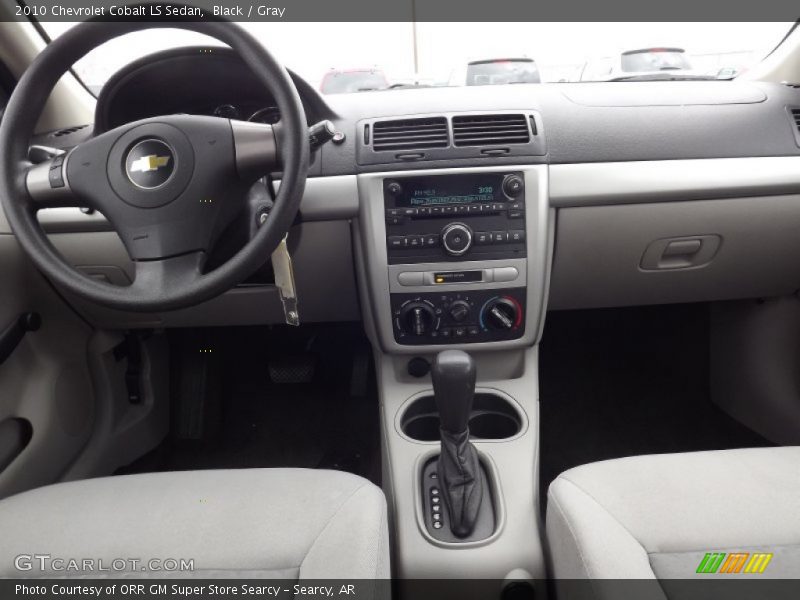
(453, 376)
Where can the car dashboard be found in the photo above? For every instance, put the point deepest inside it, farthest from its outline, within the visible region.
(631, 193)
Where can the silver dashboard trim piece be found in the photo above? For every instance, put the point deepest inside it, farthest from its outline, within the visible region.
(375, 275)
(593, 184)
(487, 266)
(325, 199)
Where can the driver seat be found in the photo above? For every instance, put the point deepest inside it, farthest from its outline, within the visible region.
(249, 523)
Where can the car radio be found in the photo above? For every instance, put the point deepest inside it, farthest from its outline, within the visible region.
(449, 218)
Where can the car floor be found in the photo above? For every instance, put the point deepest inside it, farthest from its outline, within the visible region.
(246, 397)
(613, 383)
(623, 382)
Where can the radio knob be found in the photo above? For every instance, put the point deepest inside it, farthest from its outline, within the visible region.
(512, 186)
(456, 238)
(394, 188)
(459, 310)
(418, 318)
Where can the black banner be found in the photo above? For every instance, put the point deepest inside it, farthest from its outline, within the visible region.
(401, 10)
(706, 587)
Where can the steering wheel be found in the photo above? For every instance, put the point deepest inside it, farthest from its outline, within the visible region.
(168, 185)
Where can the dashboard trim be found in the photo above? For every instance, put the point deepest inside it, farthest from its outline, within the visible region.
(597, 184)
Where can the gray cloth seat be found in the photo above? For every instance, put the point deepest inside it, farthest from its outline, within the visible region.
(656, 517)
(251, 523)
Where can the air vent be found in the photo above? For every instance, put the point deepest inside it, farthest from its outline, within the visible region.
(796, 116)
(410, 134)
(490, 130)
(68, 130)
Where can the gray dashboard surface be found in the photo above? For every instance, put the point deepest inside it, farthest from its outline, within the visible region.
(581, 122)
(598, 122)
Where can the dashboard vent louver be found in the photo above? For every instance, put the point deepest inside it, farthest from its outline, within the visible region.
(68, 130)
(410, 134)
(796, 116)
(489, 130)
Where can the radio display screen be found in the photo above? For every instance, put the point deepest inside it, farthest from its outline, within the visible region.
(447, 189)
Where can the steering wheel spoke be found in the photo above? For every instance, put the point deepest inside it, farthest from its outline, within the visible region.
(47, 186)
(156, 278)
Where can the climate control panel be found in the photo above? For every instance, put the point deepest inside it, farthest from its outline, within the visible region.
(458, 317)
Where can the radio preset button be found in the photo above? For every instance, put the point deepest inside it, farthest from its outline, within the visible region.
(431, 240)
(482, 238)
(396, 241)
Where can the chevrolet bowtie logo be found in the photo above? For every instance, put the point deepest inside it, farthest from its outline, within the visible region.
(151, 162)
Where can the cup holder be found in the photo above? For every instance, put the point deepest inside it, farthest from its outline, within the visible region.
(493, 418)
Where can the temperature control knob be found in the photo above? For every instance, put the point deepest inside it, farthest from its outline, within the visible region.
(501, 314)
(456, 238)
(417, 318)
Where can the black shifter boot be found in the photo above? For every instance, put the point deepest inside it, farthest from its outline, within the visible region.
(460, 474)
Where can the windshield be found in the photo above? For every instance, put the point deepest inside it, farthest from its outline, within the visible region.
(498, 72)
(338, 82)
(396, 56)
(641, 61)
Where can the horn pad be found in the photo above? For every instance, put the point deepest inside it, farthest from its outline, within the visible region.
(151, 165)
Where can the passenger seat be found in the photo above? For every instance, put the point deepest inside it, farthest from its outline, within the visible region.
(661, 516)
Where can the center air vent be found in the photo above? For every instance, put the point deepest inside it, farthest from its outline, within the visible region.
(489, 130)
(410, 134)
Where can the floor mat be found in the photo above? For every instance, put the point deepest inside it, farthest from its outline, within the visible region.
(271, 413)
(622, 382)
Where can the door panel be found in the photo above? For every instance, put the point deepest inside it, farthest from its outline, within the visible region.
(46, 398)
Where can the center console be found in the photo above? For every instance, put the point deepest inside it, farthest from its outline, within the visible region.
(458, 259)
(475, 218)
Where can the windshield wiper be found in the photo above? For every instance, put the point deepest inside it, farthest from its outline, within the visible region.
(670, 76)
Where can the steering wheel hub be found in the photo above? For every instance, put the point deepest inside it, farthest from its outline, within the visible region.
(150, 165)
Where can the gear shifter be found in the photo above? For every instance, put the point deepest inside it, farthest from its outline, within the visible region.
(460, 474)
